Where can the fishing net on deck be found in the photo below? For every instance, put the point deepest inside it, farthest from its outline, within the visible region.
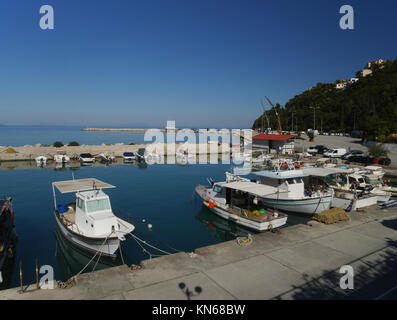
(333, 215)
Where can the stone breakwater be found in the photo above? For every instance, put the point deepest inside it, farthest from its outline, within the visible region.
(26, 153)
(121, 129)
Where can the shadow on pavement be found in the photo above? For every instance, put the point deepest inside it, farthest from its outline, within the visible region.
(374, 275)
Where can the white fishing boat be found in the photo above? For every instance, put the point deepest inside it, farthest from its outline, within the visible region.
(291, 194)
(61, 157)
(89, 223)
(356, 182)
(373, 173)
(237, 201)
(347, 198)
(41, 160)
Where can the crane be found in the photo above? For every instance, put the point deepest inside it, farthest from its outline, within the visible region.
(264, 112)
(278, 118)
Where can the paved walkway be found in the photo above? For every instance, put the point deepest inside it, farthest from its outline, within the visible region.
(299, 262)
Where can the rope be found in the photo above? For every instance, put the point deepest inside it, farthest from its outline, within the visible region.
(71, 281)
(121, 253)
(95, 254)
(148, 244)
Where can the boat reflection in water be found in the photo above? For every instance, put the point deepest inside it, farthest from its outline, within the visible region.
(224, 230)
(72, 260)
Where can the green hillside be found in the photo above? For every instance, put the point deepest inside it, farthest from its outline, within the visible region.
(369, 105)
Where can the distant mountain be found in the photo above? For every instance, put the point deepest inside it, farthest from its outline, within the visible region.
(370, 104)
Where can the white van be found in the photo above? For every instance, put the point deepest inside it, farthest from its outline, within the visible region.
(335, 153)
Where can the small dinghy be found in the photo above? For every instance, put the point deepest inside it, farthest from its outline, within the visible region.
(87, 158)
(89, 223)
(61, 157)
(388, 204)
(41, 160)
(129, 156)
(106, 158)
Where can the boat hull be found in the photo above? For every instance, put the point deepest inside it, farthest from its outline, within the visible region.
(306, 206)
(106, 248)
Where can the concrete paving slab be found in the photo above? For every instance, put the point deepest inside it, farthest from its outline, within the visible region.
(170, 290)
(255, 278)
(351, 243)
(162, 269)
(376, 230)
(103, 283)
(311, 258)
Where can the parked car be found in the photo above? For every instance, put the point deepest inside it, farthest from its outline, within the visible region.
(384, 161)
(352, 153)
(360, 159)
(320, 149)
(335, 153)
(356, 134)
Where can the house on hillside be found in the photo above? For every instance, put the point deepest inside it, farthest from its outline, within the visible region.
(274, 143)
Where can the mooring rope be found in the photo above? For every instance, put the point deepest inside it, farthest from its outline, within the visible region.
(99, 250)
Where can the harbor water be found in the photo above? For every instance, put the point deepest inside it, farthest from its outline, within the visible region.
(160, 195)
(46, 135)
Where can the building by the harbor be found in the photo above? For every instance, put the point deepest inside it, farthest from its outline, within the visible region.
(274, 143)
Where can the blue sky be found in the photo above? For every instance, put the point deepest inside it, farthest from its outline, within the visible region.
(201, 63)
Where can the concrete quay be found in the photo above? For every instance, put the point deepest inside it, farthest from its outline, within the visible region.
(298, 262)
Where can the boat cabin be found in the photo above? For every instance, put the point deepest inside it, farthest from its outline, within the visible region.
(91, 213)
(94, 214)
(289, 181)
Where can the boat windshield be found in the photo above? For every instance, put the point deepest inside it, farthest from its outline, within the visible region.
(98, 205)
(217, 188)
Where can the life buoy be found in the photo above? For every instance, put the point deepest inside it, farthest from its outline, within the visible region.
(211, 205)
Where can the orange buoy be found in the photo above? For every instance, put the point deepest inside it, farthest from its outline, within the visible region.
(208, 199)
(211, 205)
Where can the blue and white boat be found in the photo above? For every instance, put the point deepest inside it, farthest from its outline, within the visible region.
(129, 156)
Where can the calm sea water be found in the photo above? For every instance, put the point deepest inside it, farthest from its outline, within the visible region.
(160, 194)
(47, 135)
(23, 135)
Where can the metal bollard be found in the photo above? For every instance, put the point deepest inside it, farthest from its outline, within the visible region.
(21, 277)
(37, 276)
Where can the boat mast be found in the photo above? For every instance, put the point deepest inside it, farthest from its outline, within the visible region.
(278, 118)
(264, 112)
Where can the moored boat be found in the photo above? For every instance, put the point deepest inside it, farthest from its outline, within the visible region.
(238, 202)
(41, 160)
(106, 157)
(87, 158)
(129, 156)
(290, 191)
(89, 223)
(8, 237)
(61, 157)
